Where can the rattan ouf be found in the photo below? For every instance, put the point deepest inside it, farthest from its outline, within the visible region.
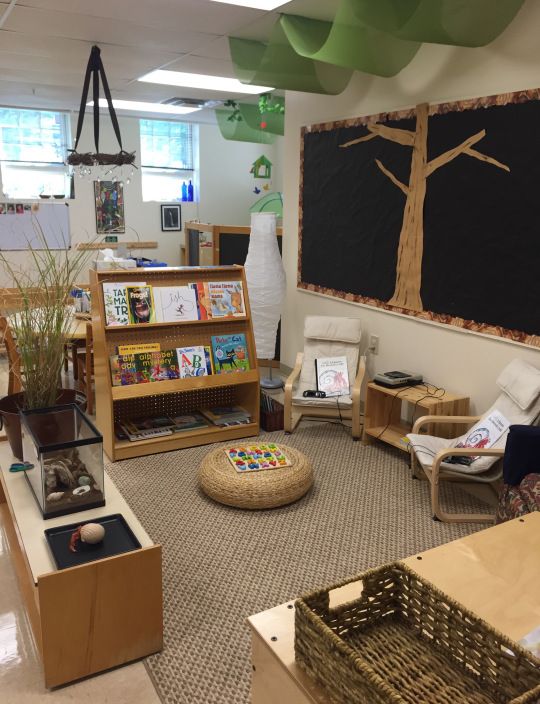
(267, 488)
(122, 158)
(406, 642)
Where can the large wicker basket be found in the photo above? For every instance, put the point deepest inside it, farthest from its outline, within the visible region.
(405, 642)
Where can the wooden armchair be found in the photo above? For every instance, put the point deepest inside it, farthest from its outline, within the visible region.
(326, 337)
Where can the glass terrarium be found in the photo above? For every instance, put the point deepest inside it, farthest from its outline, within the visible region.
(66, 452)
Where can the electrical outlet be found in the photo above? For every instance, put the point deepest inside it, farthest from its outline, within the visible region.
(374, 344)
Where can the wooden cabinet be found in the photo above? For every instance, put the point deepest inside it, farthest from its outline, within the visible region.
(383, 412)
(175, 396)
(88, 618)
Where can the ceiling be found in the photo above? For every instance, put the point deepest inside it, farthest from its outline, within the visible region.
(45, 44)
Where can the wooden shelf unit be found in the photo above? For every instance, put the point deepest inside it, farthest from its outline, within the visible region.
(383, 421)
(176, 396)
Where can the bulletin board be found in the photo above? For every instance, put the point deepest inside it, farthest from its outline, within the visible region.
(32, 225)
(431, 212)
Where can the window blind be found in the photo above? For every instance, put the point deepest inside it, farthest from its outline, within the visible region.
(35, 136)
(166, 145)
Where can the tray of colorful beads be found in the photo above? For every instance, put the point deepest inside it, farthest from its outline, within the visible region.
(253, 458)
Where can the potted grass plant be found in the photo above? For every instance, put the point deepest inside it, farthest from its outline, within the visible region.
(41, 325)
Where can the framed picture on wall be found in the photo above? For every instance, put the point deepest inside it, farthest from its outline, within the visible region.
(109, 197)
(171, 217)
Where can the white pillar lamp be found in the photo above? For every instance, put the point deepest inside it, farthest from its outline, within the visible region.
(265, 278)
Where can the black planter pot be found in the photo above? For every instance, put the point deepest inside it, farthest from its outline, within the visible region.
(9, 414)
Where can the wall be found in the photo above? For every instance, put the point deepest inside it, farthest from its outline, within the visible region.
(226, 190)
(459, 361)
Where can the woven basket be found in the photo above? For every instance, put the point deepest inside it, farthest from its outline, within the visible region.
(405, 642)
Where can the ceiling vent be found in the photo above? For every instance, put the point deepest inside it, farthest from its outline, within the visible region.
(192, 102)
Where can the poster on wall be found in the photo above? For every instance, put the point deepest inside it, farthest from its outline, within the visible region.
(430, 212)
(109, 197)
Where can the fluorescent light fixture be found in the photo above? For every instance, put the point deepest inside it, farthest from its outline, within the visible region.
(198, 80)
(146, 107)
(256, 4)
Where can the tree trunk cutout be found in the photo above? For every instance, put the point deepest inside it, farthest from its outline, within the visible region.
(411, 238)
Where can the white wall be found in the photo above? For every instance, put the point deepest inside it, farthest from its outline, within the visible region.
(459, 361)
(226, 189)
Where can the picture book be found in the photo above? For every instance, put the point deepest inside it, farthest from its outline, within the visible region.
(140, 304)
(115, 300)
(194, 361)
(230, 353)
(253, 458)
(220, 415)
(142, 347)
(332, 375)
(175, 304)
(201, 290)
(144, 367)
(191, 421)
(226, 299)
(484, 433)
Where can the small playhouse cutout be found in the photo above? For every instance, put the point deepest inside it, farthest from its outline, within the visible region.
(261, 168)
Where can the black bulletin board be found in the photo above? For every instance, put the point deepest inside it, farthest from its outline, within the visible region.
(480, 258)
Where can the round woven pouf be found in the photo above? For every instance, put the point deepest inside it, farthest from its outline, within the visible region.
(266, 488)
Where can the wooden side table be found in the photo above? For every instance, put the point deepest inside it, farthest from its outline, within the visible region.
(494, 573)
(383, 418)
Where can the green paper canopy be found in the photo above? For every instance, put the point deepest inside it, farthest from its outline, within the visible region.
(270, 203)
(240, 131)
(275, 122)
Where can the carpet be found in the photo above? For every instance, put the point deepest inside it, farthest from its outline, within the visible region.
(221, 564)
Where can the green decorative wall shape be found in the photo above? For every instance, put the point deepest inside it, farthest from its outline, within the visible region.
(270, 203)
(240, 131)
(275, 123)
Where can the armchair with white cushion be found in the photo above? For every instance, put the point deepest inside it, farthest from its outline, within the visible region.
(519, 403)
(326, 337)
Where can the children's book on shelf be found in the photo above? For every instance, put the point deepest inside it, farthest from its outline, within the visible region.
(115, 300)
(138, 348)
(194, 361)
(332, 375)
(230, 353)
(201, 290)
(140, 304)
(253, 458)
(144, 367)
(226, 415)
(189, 421)
(226, 299)
(175, 303)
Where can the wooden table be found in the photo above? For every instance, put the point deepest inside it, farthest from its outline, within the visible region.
(495, 573)
(383, 417)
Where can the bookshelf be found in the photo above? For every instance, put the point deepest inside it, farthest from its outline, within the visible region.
(174, 396)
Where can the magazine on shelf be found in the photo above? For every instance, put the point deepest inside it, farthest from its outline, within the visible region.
(332, 375)
(226, 299)
(189, 421)
(115, 301)
(140, 305)
(175, 304)
(201, 290)
(194, 361)
(221, 415)
(144, 367)
(254, 458)
(229, 353)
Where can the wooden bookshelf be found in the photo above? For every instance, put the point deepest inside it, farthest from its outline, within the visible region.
(175, 396)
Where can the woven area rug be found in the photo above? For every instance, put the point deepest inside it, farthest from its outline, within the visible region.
(221, 564)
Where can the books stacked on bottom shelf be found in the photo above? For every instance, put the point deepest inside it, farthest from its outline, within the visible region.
(225, 416)
(145, 428)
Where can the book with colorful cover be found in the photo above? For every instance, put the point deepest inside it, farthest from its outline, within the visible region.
(254, 458)
(190, 421)
(138, 348)
(226, 299)
(194, 361)
(332, 375)
(144, 368)
(140, 304)
(230, 353)
(115, 300)
(175, 303)
(201, 290)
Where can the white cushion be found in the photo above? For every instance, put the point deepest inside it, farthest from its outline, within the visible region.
(323, 327)
(521, 381)
(330, 402)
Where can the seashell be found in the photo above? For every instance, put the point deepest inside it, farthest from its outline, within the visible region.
(55, 496)
(80, 490)
(92, 533)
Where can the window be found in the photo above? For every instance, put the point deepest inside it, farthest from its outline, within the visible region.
(167, 158)
(33, 145)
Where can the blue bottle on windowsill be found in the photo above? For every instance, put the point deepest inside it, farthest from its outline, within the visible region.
(190, 191)
(184, 191)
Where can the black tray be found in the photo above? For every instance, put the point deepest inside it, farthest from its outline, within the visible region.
(118, 538)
